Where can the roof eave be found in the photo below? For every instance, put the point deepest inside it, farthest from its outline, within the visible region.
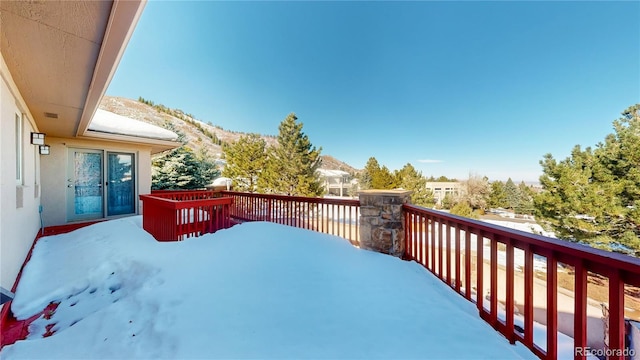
(157, 145)
(122, 21)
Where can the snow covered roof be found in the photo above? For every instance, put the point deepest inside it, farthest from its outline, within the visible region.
(332, 173)
(221, 181)
(108, 122)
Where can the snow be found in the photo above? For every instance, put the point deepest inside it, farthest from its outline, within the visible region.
(108, 122)
(532, 228)
(221, 181)
(332, 173)
(257, 290)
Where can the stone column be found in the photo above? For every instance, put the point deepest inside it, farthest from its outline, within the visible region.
(382, 221)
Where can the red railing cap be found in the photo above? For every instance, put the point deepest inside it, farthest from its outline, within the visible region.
(315, 200)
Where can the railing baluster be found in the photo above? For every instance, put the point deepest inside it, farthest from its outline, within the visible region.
(467, 263)
(440, 231)
(528, 296)
(419, 239)
(457, 256)
(552, 306)
(510, 301)
(616, 315)
(580, 309)
(493, 282)
(448, 253)
(432, 238)
(479, 271)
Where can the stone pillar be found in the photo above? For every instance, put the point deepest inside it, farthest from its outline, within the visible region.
(382, 221)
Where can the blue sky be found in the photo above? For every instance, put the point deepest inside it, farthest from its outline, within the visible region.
(451, 87)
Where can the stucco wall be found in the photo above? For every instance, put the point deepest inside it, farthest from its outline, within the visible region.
(54, 173)
(18, 224)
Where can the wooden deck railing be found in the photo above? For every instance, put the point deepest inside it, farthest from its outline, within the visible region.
(506, 273)
(174, 216)
(455, 249)
(330, 216)
(182, 195)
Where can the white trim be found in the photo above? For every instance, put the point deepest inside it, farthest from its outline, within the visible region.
(19, 146)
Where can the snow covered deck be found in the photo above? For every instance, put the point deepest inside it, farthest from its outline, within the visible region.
(256, 290)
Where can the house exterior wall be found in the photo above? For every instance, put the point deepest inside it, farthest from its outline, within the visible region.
(54, 173)
(19, 201)
(440, 189)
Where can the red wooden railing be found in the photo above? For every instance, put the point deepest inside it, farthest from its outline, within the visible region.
(174, 216)
(330, 216)
(182, 195)
(472, 257)
(443, 244)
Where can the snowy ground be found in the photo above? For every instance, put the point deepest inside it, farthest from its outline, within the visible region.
(257, 290)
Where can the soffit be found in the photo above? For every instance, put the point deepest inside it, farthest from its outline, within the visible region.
(51, 49)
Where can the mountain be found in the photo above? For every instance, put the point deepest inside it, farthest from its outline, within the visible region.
(198, 135)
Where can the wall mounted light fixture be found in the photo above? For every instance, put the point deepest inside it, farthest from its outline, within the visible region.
(37, 138)
(45, 149)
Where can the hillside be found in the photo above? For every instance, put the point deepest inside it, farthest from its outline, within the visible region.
(198, 134)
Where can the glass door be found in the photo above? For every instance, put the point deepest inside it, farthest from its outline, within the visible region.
(84, 184)
(120, 184)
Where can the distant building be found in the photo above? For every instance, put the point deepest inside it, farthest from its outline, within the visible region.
(440, 189)
(336, 182)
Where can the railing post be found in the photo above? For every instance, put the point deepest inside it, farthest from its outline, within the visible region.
(381, 220)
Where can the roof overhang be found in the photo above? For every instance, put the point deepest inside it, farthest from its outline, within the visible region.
(156, 144)
(63, 54)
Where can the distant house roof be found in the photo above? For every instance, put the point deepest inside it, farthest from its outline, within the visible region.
(221, 181)
(108, 122)
(332, 173)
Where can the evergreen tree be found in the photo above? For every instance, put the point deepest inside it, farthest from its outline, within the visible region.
(292, 164)
(181, 169)
(525, 199)
(246, 158)
(376, 177)
(383, 179)
(593, 196)
(464, 209)
(511, 193)
(444, 179)
(498, 197)
(410, 179)
(370, 170)
(448, 201)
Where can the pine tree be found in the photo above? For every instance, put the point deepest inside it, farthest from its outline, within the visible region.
(525, 199)
(292, 164)
(410, 179)
(376, 177)
(370, 169)
(384, 179)
(246, 158)
(448, 201)
(498, 197)
(511, 194)
(464, 209)
(182, 169)
(593, 196)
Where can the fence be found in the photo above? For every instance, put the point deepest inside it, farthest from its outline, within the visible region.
(174, 216)
(447, 245)
(338, 217)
